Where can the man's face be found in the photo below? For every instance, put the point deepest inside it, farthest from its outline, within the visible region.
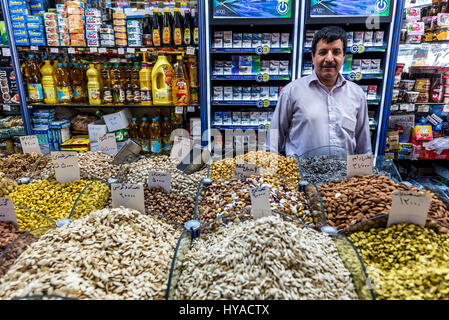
(328, 59)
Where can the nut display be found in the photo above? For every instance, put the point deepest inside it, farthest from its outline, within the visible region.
(18, 165)
(109, 254)
(6, 185)
(267, 258)
(174, 206)
(355, 199)
(44, 170)
(405, 261)
(56, 200)
(97, 165)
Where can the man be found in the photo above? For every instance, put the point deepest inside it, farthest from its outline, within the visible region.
(323, 108)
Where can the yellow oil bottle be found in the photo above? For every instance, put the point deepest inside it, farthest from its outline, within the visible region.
(48, 82)
(161, 78)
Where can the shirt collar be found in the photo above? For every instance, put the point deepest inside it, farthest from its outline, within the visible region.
(314, 78)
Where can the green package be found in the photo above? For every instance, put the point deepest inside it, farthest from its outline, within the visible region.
(256, 64)
(3, 33)
(120, 135)
(347, 66)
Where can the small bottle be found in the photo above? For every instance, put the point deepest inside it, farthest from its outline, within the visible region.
(134, 131)
(147, 37)
(129, 89)
(34, 80)
(107, 90)
(155, 136)
(144, 132)
(166, 28)
(63, 88)
(166, 130)
(177, 28)
(180, 85)
(135, 85)
(93, 85)
(157, 34)
(187, 27)
(195, 28)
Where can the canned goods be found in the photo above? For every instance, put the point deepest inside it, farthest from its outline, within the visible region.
(422, 85)
(423, 97)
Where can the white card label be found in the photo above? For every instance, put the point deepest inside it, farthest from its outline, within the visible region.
(93, 50)
(6, 52)
(260, 202)
(161, 179)
(130, 50)
(191, 109)
(35, 48)
(54, 50)
(245, 170)
(71, 50)
(423, 108)
(410, 207)
(446, 108)
(181, 148)
(66, 165)
(121, 50)
(359, 164)
(107, 143)
(102, 50)
(179, 110)
(6, 107)
(7, 211)
(128, 196)
(30, 144)
(143, 49)
(190, 50)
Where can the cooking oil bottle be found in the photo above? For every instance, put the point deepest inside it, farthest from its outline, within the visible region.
(180, 85)
(145, 83)
(134, 131)
(192, 67)
(93, 85)
(118, 93)
(166, 130)
(107, 90)
(155, 136)
(161, 78)
(166, 28)
(34, 81)
(144, 134)
(78, 84)
(129, 92)
(63, 88)
(48, 83)
(135, 85)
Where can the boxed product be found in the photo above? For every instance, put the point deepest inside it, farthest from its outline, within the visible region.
(227, 68)
(254, 118)
(285, 40)
(309, 38)
(237, 40)
(284, 67)
(245, 118)
(274, 67)
(358, 37)
(235, 65)
(357, 65)
(256, 65)
(366, 66)
(265, 66)
(236, 117)
(274, 92)
(218, 93)
(8, 86)
(218, 39)
(246, 93)
(218, 68)
(368, 38)
(266, 39)
(263, 119)
(228, 93)
(218, 118)
(255, 92)
(264, 93)
(275, 40)
(227, 117)
(375, 65)
(257, 40)
(237, 93)
(422, 133)
(245, 65)
(371, 92)
(349, 38)
(379, 38)
(247, 39)
(227, 39)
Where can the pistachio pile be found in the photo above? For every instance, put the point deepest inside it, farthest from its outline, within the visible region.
(97, 165)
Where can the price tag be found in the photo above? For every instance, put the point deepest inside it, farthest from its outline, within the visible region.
(6, 52)
(423, 108)
(190, 109)
(34, 48)
(93, 50)
(245, 170)
(359, 164)
(130, 50)
(411, 107)
(446, 108)
(128, 196)
(260, 202)
(143, 49)
(409, 206)
(71, 50)
(6, 107)
(7, 211)
(190, 50)
(30, 144)
(161, 179)
(54, 50)
(102, 50)
(107, 143)
(179, 110)
(66, 165)
(181, 148)
(394, 107)
(121, 50)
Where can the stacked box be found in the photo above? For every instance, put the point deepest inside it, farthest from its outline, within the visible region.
(107, 36)
(36, 30)
(38, 7)
(51, 28)
(19, 11)
(135, 31)
(120, 31)
(93, 24)
(75, 14)
(41, 119)
(59, 133)
(63, 25)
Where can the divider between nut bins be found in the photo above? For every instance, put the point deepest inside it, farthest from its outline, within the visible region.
(30, 173)
(42, 297)
(183, 245)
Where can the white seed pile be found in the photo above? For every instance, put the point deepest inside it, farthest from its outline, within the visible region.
(110, 254)
(97, 165)
(268, 258)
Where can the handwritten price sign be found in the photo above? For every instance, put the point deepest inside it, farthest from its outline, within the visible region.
(360, 164)
(260, 202)
(245, 170)
(128, 196)
(107, 143)
(66, 165)
(409, 206)
(30, 144)
(7, 211)
(159, 179)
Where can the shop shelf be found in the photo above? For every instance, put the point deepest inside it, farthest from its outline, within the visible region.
(366, 49)
(242, 103)
(249, 77)
(364, 76)
(236, 127)
(43, 105)
(249, 50)
(374, 101)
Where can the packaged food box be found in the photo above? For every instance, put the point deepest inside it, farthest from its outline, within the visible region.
(422, 133)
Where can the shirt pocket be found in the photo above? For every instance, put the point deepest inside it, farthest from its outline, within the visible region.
(348, 123)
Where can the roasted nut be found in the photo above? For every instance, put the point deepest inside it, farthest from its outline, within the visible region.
(18, 165)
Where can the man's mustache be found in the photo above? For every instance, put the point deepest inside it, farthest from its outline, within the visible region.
(331, 65)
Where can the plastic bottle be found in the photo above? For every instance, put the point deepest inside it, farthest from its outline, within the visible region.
(192, 67)
(157, 34)
(195, 28)
(177, 28)
(78, 84)
(63, 88)
(107, 90)
(187, 27)
(147, 36)
(180, 85)
(161, 77)
(135, 85)
(34, 80)
(177, 120)
(129, 88)
(134, 131)
(93, 85)
(166, 28)
(144, 132)
(166, 130)
(118, 93)
(155, 136)
(48, 83)
(99, 67)
(145, 84)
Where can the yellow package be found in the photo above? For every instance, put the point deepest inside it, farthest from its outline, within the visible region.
(422, 133)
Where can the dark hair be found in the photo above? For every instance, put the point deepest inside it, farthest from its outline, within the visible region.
(330, 34)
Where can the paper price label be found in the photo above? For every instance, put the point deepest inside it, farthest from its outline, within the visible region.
(107, 143)
(33, 48)
(121, 50)
(190, 109)
(66, 165)
(130, 50)
(7, 211)
(93, 50)
(71, 50)
(30, 144)
(128, 196)
(54, 50)
(143, 49)
(6, 52)
(394, 107)
(190, 50)
(179, 110)
(410, 207)
(360, 164)
(446, 108)
(423, 108)
(6, 107)
(102, 50)
(260, 202)
(181, 148)
(161, 179)
(245, 170)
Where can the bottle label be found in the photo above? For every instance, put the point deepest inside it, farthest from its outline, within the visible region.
(147, 39)
(64, 93)
(119, 95)
(187, 36)
(35, 91)
(145, 96)
(107, 96)
(156, 38)
(181, 93)
(166, 35)
(178, 36)
(78, 93)
(155, 146)
(137, 96)
(50, 93)
(145, 144)
(194, 97)
(166, 144)
(129, 96)
(94, 95)
(168, 73)
(195, 36)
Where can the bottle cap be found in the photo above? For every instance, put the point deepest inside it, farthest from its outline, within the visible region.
(144, 118)
(178, 57)
(165, 118)
(176, 9)
(133, 119)
(166, 10)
